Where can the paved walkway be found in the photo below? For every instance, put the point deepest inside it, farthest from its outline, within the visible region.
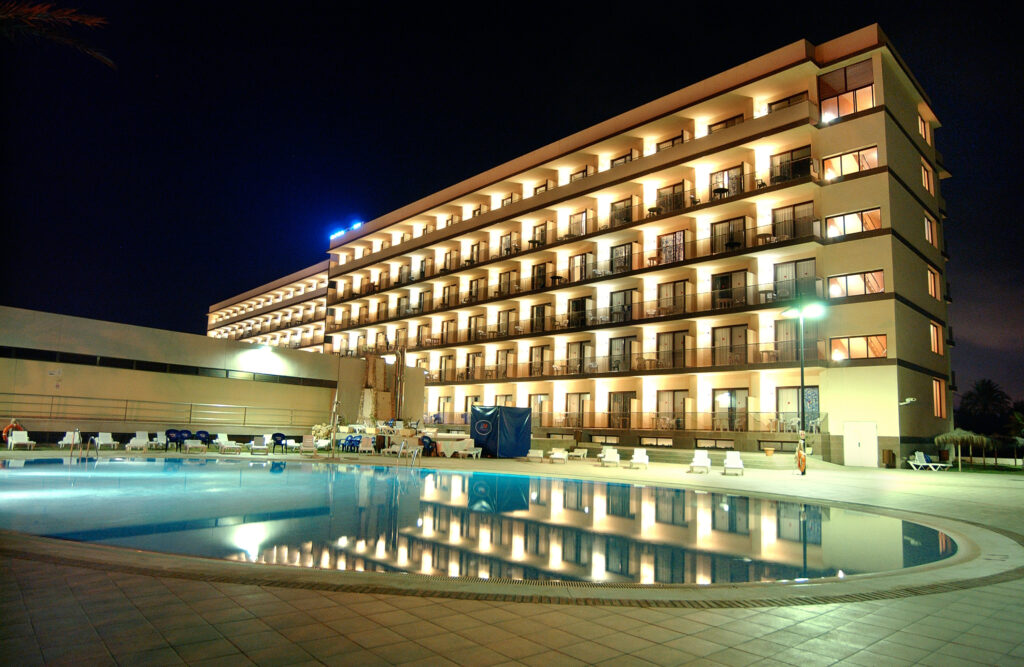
(79, 604)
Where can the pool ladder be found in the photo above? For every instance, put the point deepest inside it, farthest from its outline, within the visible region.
(83, 446)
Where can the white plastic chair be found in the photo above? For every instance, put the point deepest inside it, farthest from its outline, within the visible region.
(639, 458)
(700, 460)
(733, 462)
(71, 438)
(102, 439)
(19, 439)
(611, 457)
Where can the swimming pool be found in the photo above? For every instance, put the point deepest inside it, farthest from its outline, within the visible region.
(455, 523)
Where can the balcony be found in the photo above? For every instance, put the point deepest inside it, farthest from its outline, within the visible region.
(724, 421)
(757, 355)
(643, 261)
(667, 205)
(692, 305)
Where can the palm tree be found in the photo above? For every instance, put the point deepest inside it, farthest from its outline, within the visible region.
(984, 408)
(44, 21)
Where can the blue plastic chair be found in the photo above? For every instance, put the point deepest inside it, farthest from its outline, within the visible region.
(172, 438)
(183, 435)
(429, 447)
(279, 441)
(203, 437)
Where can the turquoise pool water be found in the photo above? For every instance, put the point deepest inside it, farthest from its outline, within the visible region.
(400, 519)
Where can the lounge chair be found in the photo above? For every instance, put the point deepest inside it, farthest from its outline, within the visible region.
(366, 444)
(323, 443)
(922, 462)
(733, 462)
(226, 446)
(468, 452)
(102, 439)
(578, 453)
(71, 438)
(558, 455)
(639, 458)
(20, 439)
(140, 442)
(535, 455)
(259, 445)
(308, 445)
(611, 457)
(193, 443)
(290, 445)
(700, 460)
(160, 440)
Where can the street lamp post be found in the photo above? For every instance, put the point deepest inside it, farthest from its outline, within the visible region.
(807, 311)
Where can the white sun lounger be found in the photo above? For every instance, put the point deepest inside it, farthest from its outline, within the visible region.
(20, 439)
(639, 458)
(733, 462)
(700, 460)
(921, 462)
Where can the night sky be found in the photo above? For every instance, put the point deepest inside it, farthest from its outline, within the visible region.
(234, 137)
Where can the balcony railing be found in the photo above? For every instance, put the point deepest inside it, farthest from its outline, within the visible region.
(753, 355)
(671, 204)
(582, 272)
(733, 420)
(692, 304)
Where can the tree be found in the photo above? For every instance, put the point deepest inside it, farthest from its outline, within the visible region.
(44, 21)
(985, 408)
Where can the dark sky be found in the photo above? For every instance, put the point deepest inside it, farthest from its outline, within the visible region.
(233, 137)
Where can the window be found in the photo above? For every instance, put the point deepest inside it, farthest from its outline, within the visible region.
(670, 198)
(846, 91)
(655, 442)
(621, 212)
(707, 443)
(578, 224)
(622, 159)
(617, 558)
(577, 175)
(670, 506)
(576, 545)
(605, 439)
(730, 514)
(727, 182)
(934, 290)
(851, 163)
(789, 520)
(935, 331)
(787, 102)
(506, 400)
(924, 129)
(927, 177)
(859, 347)
(790, 221)
(931, 231)
(856, 284)
(539, 189)
(618, 496)
(791, 164)
(853, 223)
(669, 143)
(722, 124)
(939, 398)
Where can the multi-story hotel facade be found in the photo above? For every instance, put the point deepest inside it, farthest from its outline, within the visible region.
(636, 282)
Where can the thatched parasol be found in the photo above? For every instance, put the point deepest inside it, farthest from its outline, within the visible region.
(959, 437)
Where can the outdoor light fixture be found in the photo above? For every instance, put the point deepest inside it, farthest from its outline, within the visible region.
(810, 310)
(908, 401)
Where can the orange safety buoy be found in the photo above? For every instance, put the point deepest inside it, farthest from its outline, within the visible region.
(801, 461)
(13, 426)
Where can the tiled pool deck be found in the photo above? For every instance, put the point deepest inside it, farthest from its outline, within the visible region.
(83, 604)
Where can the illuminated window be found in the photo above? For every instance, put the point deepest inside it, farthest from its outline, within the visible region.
(939, 398)
(858, 347)
(622, 159)
(931, 230)
(856, 284)
(935, 330)
(927, 177)
(933, 284)
(722, 124)
(852, 223)
(669, 143)
(846, 91)
(787, 102)
(924, 129)
(851, 163)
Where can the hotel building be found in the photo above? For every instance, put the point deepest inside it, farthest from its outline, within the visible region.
(635, 282)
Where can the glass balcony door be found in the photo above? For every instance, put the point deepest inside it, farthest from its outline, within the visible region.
(730, 409)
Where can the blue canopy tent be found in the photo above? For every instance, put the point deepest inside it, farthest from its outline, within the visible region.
(501, 432)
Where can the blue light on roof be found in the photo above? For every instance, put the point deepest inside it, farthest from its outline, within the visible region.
(356, 225)
(336, 234)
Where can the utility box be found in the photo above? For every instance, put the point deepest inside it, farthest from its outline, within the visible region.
(888, 458)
